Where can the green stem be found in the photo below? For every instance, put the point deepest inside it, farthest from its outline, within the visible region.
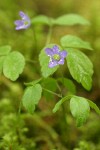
(35, 39)
(52, 92)
(31, 61)
(20, 105)
(63, 105)
(59, 89)
(49, 35)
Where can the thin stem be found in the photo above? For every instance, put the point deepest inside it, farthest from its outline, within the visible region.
(62, 78)
(52, 92)
(59, 89)
(35, 39)
(31, 61)
(20, 105)
(49, 35)
(63, 106)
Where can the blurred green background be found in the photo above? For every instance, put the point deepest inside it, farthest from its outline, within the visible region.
(45, 130)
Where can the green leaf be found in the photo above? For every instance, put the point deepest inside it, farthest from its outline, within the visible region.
(58, 104)
(13, 65)
(68, 84)
(31, 97)
(74, 42)
(49, 84)
(71, 19)
(80, 67)
(87, 81)
(4, 50)
(94, 106)
(44, 61)
(80, 109)
(42, 19)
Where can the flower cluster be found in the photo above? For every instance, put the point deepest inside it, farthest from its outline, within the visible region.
(24, 23)
(56, 56)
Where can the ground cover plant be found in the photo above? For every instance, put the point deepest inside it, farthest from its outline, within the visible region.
(45, 82)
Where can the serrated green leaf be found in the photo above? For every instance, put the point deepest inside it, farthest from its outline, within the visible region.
(4, 50)
(71, 19)
(31, 97)
(58, 104)
(80, 67)
(44, 61)
(71, 41)
(13, 65)
(42, 19)
(80, 109)
(94, 106)
(68, 84)
(86, 81)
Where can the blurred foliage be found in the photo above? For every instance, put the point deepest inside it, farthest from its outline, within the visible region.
(45, 130)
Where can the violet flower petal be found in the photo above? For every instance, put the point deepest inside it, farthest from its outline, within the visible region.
(53, 64)
(22, 14)
(61, 61)
(55, 49)
(63, 54)
(20, 27)
(24, 23)
(49, 51)
(19, 22)
(56, 56)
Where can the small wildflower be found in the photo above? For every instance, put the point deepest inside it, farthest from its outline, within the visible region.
(24, 23)
(56, 56)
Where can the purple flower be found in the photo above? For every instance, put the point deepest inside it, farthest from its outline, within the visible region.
(24, 23)
(56, 56)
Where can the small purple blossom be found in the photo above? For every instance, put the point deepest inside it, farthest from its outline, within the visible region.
(24, 23)
(56, 56)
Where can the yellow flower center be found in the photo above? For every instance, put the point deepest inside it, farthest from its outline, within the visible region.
(56, 57)
(26, 22)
